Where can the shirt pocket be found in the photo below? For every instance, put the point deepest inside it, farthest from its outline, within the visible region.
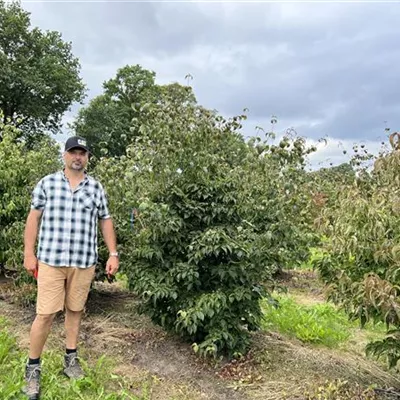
(88, 201)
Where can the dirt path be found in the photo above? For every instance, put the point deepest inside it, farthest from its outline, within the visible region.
(278, 368)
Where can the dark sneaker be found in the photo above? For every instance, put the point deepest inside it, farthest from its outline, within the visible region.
(72, 367)
(32, 378)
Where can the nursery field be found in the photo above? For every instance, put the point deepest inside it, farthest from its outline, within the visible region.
(246, 271)
(306, 350)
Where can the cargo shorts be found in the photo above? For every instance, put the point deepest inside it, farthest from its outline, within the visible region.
(62, 287)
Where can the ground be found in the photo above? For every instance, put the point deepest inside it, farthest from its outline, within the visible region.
(277, 367)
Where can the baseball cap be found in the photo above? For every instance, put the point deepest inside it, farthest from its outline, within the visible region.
(76, 142)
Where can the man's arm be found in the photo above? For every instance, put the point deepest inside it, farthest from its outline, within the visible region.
(30, 236)
(107, 230)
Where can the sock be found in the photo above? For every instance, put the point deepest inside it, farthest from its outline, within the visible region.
(32, 361)
(69, 351)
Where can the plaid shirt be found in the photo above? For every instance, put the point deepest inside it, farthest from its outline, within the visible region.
(68, 229)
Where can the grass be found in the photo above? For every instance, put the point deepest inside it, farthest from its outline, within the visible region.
(99, 383)
(315, 253)
(318, 323)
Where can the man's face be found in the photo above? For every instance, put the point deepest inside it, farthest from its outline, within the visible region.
(76, 159)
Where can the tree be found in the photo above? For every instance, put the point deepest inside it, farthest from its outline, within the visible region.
(343, 173)
(279, 201)
(198, 274)
(214, 220)
(107, 121)
(360, 260)
(20, 170)
(327, 183)
(39, 76)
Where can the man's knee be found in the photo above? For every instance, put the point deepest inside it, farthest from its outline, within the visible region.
(45, 319)
(73, 312)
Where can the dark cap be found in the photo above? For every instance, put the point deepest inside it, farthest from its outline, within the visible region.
(76, 142)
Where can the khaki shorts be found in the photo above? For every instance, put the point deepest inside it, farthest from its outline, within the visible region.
(60, 287)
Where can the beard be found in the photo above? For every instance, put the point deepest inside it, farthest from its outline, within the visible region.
(77, 166)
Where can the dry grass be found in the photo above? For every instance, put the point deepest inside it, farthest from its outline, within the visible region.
(291, 369)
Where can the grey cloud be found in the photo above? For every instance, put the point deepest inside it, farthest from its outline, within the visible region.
(334, 64)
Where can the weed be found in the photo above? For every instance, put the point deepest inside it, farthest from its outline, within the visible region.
(122, 279)
(99, 382)
(315, 253)
(340, 390)
(319, 323)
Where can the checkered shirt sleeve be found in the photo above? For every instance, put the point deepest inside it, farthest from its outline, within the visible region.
(38, 197)
(103, 204)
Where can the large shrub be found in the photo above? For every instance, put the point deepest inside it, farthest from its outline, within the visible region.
(20, 170)
(361, 257)
(278, 196)
(198, 252)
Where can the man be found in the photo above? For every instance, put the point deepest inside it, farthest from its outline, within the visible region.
(66, 205)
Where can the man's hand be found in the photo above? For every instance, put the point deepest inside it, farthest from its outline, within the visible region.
(107, 229)
(31, 264)
(30, 235)
(112, 265)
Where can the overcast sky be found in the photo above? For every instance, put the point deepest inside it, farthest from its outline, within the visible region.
(326, 69)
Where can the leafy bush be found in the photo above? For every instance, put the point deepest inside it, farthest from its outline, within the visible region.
(20, 170)
(195, 261)
(319, 323)
(362, 253)
(279, 201)
(214, 220)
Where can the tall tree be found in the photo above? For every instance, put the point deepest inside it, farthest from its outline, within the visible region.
(107, 121)
(39, 76)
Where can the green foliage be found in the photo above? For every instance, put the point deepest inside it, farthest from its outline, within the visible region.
(319, 323)
(10, 384)
(388, 348)
(196, 263)
(327, 183)
(362, 251)
(20, 170)
(278, 201)
(39, 76)
(107, 121)
(215, 219)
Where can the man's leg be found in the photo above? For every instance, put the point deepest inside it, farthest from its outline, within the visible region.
(72, 325)
(72, 367)
(77, 290)
(50, 299)
(39, 332)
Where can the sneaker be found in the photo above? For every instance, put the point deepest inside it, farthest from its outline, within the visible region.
(32, 378)
(72, 367)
